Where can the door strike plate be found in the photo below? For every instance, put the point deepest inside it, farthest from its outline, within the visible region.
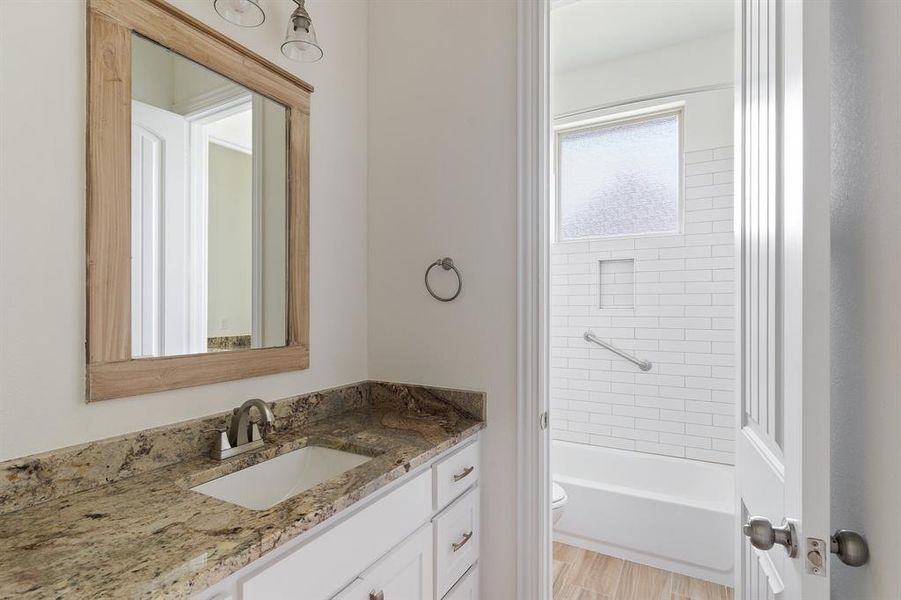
(815, 557)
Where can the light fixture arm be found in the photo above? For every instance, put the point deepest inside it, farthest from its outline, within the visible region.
(300, 42)
(300, 17)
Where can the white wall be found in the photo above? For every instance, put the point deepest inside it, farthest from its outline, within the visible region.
(702, 62)
(683, 301)
(42, 205)
(442, 182)
(866, 285)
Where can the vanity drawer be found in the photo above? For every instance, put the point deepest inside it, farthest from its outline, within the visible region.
(319, 568)
(456, 541)
(454, 474)
(468, 586)
(355, 589)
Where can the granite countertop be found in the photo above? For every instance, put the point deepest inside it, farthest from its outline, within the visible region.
(148, 535)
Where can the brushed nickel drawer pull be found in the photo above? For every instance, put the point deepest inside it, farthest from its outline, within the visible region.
(466, 537)
(380, 595)
(464, 474)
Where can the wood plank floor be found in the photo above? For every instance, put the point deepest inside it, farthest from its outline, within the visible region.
(584, 575)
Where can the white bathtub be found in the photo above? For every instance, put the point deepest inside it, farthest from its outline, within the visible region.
(670, 513)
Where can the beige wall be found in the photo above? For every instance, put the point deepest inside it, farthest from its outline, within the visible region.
(442, 183)
(274, 217)
(230, 242)
(42, 204)
(154, 71)
(166, 80)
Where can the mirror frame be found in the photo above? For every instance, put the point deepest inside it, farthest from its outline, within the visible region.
(111, 371)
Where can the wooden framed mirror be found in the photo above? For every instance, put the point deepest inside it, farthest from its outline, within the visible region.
(197, 205)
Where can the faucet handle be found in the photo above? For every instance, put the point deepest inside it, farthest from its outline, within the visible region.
(221, 446)
(223, 439)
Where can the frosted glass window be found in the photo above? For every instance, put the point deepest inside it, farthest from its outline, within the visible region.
(619, 179)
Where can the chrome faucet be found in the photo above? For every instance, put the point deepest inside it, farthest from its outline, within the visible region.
(243, 434)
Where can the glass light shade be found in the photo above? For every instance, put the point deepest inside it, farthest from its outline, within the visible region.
(300, 43)
(246, 13)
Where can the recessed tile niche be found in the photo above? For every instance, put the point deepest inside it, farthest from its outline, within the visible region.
(617, 283)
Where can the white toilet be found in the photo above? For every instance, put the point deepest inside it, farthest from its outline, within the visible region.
(558, 501)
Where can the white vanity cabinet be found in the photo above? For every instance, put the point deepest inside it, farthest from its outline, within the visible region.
(416, 540)
(317, 569)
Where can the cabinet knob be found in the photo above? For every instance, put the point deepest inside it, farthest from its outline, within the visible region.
(379, 595)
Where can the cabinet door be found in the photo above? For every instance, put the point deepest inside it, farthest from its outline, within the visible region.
(404, 574)
(320, 567)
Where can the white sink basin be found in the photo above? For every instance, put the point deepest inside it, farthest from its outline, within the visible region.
(266, 484)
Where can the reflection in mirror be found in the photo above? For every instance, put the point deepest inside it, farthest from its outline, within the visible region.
(209, 210)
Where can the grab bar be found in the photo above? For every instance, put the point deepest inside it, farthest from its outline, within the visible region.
(644, 365)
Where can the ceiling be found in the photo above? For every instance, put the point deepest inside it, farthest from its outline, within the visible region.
(235, 130)
(586, 32)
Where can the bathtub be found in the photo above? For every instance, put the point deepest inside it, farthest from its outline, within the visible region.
(670, 513)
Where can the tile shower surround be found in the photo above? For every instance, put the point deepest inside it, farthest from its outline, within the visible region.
(682, 321)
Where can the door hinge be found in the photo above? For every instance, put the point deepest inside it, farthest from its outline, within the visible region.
(543, 420)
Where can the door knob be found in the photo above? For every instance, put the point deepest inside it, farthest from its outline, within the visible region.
(764, 536)
(850, 547)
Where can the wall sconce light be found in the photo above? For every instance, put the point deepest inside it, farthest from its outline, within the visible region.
(300, 42)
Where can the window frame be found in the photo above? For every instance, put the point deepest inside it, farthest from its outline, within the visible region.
(615, 120)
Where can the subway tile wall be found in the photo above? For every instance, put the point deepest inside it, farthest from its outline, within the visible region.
(682, 320)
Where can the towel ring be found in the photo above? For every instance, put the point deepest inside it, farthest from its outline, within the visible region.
(446, 263)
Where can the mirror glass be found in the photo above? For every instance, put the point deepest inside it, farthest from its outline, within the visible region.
(208, 210)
